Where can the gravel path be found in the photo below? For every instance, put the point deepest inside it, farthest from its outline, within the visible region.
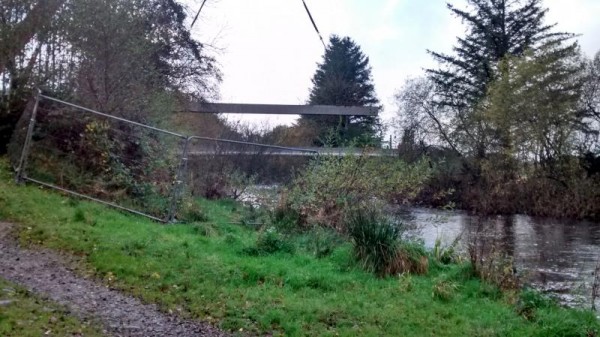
(43, 272)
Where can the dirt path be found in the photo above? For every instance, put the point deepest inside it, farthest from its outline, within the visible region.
(44, 273)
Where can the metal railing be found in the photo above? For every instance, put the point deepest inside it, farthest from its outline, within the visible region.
(135, 167)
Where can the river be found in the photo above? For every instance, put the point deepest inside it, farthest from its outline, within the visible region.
(555, 256)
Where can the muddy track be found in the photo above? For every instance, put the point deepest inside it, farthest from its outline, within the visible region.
(45, 273)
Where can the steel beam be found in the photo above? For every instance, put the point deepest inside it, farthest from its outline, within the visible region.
(280, 109)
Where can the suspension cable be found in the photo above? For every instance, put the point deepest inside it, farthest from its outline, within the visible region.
(314, 24)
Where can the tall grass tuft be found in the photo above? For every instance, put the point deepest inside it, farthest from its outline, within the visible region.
(379, 248)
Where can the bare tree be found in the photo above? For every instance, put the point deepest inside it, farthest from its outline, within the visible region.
(419, 116)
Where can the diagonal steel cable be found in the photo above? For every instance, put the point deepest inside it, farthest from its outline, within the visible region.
(314, 24)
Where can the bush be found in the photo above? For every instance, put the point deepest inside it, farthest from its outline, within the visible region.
(286, 219)
(331, 187)
(379, 248)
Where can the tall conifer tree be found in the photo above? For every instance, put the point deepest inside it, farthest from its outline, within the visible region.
(496, 29)
(344, 79)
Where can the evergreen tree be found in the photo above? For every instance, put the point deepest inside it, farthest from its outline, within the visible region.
(343, 79)
(496, 28)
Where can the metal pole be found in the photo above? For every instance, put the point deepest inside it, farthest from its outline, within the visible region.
(27, 143)
(177, 189)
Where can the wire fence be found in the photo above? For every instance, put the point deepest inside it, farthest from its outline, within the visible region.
(137, 167)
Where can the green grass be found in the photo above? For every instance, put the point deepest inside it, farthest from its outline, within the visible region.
(203, 270)
(26, 315)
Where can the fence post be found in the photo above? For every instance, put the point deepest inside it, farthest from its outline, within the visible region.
(179, 182)
(27, 143)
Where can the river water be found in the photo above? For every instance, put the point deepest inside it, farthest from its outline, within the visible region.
(557, 257)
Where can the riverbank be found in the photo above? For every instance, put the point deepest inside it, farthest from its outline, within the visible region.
(205, 271)
(569, 195)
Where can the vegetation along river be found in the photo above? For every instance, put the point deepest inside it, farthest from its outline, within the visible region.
(555, 256)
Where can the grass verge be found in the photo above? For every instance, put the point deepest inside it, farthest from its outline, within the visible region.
(204, 270)
(25, 315)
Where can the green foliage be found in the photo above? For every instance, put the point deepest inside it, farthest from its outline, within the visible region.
(493, 266)
(323, 241)
(514, 102)
(375, 240)
(255, 217)
(344, 79)
(445, 254)
(126, 58)
(530, 300)
(285, 218)
(191, 211)
(330, 187)
(495, 29)
(379, 248)
(529, 83)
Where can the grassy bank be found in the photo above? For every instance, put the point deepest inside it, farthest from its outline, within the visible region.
(25, 315)
(206, 270)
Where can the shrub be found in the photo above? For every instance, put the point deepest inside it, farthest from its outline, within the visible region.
(378, 246)
(285, 219)
(331, 187)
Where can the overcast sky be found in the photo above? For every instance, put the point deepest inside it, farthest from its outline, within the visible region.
(268, 50)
